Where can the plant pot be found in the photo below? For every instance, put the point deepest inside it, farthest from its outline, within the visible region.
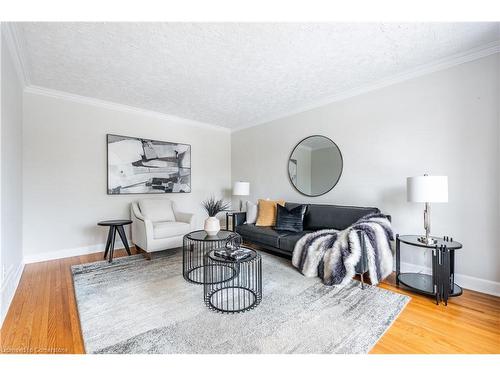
(212, 226)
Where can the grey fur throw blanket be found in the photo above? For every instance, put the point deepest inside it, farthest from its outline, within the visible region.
(332, 255)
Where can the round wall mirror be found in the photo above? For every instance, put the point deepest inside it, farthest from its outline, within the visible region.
(315, 165)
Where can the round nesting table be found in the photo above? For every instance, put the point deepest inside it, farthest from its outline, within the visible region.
(115, 226)
(194, 248)
(232, 286)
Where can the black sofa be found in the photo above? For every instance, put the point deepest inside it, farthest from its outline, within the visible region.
(317, 217)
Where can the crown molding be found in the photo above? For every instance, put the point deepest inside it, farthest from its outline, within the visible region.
(14, 46)
(38, 90)
(442, 64)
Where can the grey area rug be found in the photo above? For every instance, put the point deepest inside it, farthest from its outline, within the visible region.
(140, 306)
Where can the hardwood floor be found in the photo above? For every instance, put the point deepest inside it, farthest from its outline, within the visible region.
(43, 317)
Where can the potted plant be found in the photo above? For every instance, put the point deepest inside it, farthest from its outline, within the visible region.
(213, 207)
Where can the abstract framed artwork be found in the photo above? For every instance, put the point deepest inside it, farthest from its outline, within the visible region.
(146, 166)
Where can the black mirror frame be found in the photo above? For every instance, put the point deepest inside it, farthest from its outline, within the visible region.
(290, 156)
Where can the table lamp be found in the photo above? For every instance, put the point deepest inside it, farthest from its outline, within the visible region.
(241, 188)
(427, 189)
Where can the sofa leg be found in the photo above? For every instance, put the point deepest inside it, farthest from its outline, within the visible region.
(362, 281)
(143, 252)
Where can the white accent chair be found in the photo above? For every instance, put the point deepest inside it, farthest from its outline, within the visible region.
(157, 225)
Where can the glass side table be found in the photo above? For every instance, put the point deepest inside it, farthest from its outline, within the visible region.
(441, 283)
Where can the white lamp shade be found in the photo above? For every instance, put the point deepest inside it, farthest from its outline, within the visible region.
(241, 188)
(427, 189)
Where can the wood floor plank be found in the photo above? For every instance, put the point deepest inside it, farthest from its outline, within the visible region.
(43, 317)
(53, 296)
(38, 337)
(21, 338)
(73, 313)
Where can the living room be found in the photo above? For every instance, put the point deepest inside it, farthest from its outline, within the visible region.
(228, 188)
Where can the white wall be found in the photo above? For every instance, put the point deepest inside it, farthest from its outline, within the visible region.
(11, 179)
(65, 171)
(442, 123)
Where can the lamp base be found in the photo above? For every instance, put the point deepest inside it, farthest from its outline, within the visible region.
(427, 240)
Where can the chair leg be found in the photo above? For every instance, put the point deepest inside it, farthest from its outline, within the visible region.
(362, 281)
(143, 252)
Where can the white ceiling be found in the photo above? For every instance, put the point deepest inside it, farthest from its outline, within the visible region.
(233, 74)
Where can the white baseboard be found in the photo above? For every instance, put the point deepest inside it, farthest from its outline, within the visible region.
(8, 291)
(465, 281)
(66, 253)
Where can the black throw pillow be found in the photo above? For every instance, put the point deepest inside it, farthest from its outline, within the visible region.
(290, 220)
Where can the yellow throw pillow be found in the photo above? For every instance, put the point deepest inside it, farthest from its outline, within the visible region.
(267, 212)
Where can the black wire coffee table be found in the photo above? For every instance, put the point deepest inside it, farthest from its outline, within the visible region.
(232, 286)
(194, 248)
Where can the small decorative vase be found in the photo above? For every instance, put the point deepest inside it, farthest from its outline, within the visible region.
(212, 226)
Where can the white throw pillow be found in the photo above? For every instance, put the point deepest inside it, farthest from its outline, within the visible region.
(157, 209)
(252, 211)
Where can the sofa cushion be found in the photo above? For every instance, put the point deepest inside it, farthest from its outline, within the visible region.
(157, 209)
(324, 216)
(267, 212)
(264, 235)
(288, 241)
(167, 229)
(252, 211)
(290, 219)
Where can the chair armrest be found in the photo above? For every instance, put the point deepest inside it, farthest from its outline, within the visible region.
(142, 228)
(239, 218)
(135, 213)
(185, 217)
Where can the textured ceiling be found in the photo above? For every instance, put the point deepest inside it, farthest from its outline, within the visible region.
(232, 74)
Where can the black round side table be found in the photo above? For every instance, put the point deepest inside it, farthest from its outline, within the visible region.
(194, 247)
(226, 293)
(441, 283)
(115, 226)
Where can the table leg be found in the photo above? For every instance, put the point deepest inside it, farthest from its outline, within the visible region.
(446, 275)
(227, 221)
(452, 270)
(108, 242)
(398, 259)
(112, 248)
(123, 237)
(435, 273)
(440, 273)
